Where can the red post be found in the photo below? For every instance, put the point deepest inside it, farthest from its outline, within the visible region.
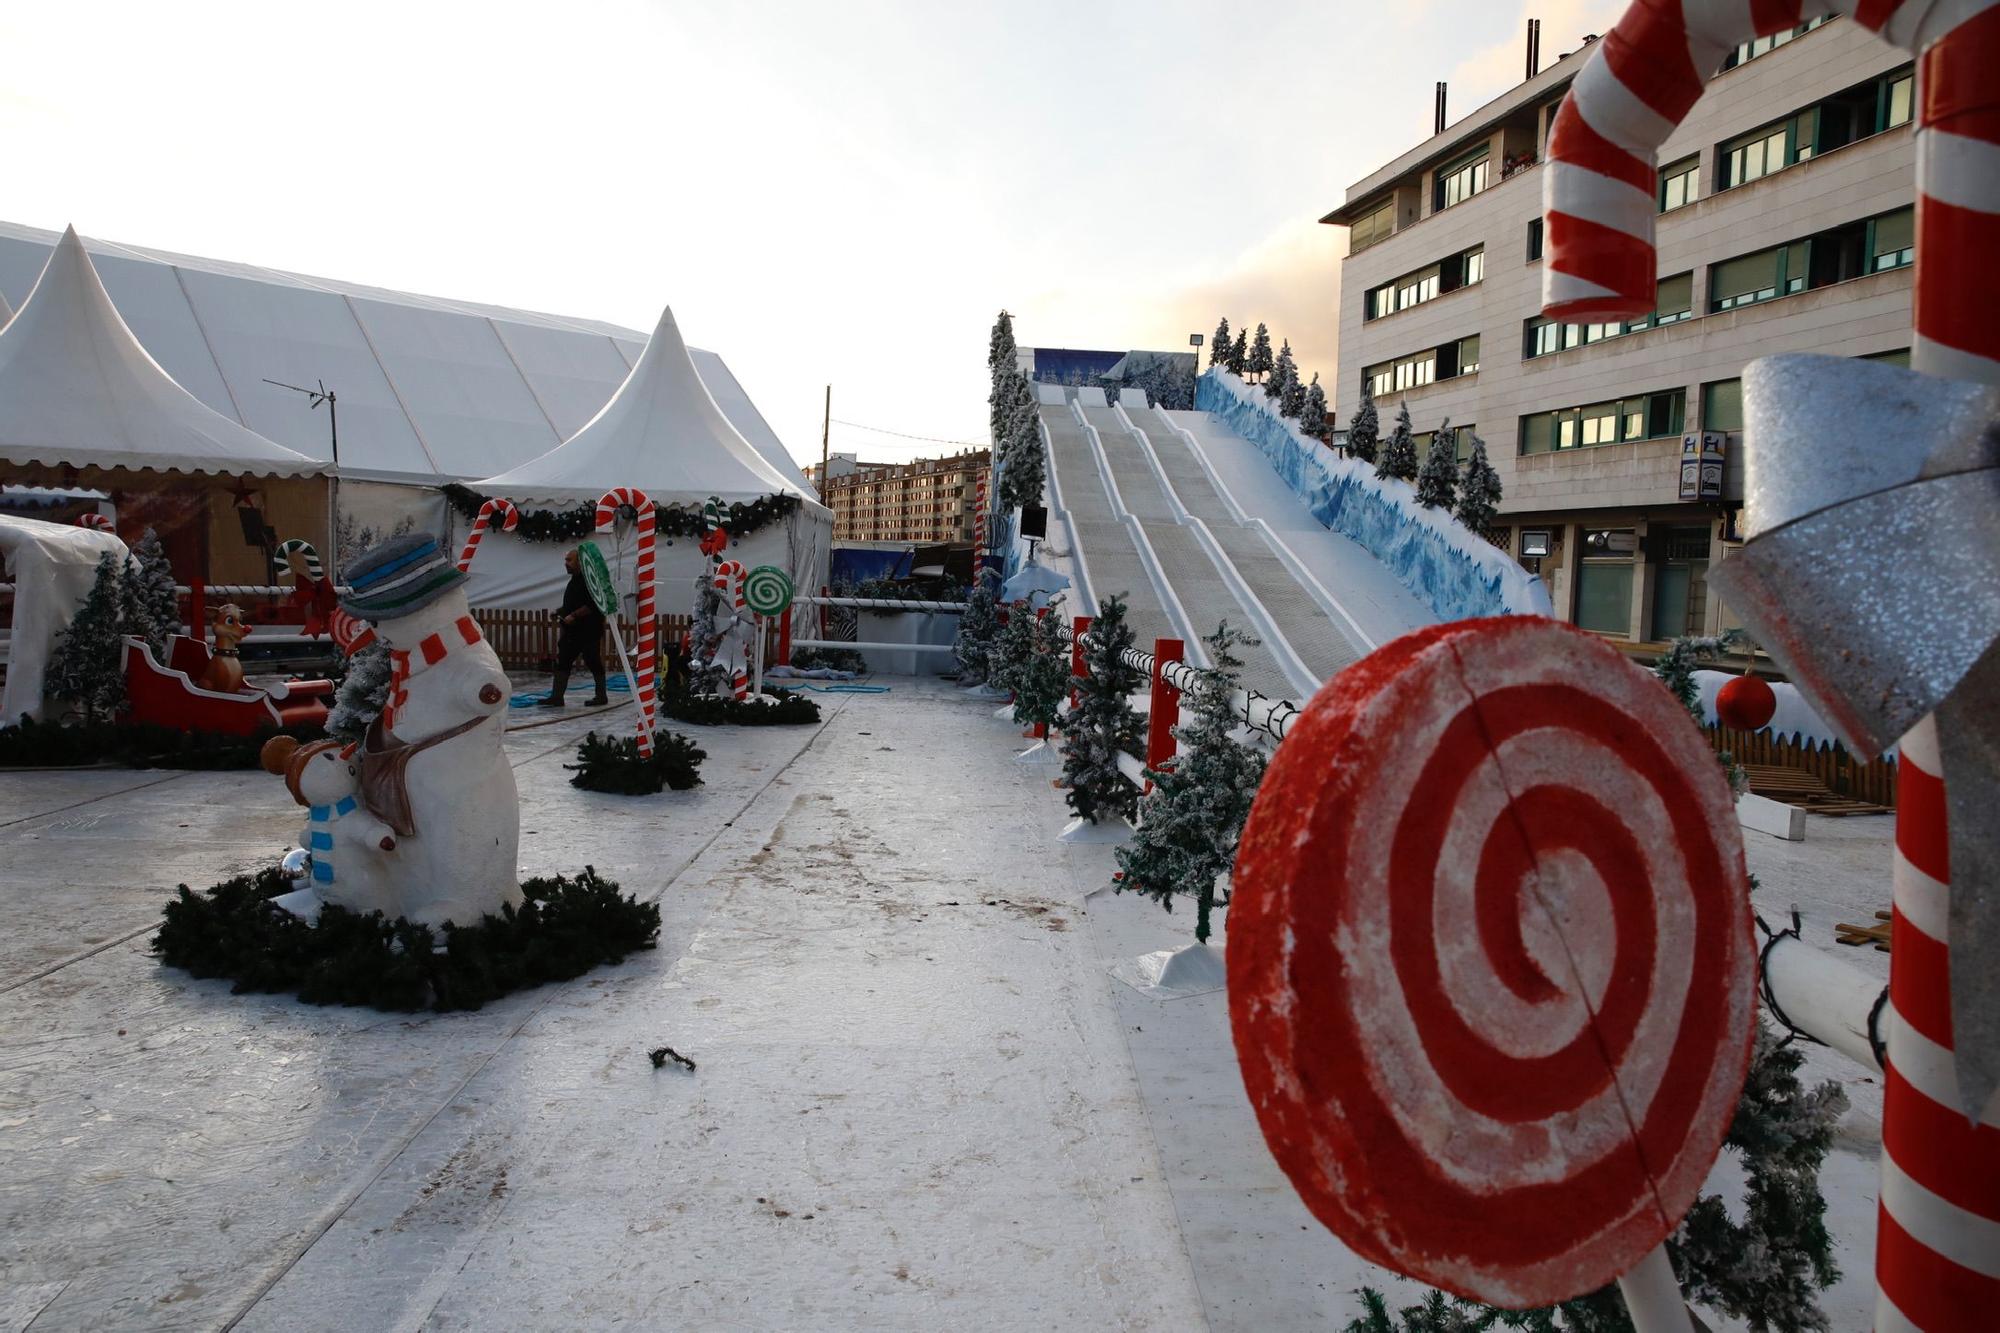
(198, 611)
(1166, 710)
(1078, 627)
(785, 637)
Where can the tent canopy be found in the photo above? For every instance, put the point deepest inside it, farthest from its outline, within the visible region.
(53, 566)
(77, 390)
(662, 432)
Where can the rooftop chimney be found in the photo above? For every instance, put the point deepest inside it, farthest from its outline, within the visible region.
(1534, 47)
(1440, 109)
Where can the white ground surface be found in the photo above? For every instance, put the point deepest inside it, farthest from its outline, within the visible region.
(922, 1100)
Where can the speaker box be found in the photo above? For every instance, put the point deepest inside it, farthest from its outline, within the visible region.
(1035, 522)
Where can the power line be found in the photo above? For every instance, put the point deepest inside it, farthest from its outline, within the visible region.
(927, 439)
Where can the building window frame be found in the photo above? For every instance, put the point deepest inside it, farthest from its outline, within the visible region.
(1420, 286)
(1372, 227)
(1659, 414)
(1679, 184)
(1463, 178)
(1541, 337)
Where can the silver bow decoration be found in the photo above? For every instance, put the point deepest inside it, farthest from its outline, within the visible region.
(1872, 511)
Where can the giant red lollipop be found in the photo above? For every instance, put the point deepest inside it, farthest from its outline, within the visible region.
(1491, 971)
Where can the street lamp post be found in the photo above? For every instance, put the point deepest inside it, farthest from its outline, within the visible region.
(1194, 341)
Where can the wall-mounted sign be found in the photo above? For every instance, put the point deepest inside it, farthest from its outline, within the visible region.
(1701, 466)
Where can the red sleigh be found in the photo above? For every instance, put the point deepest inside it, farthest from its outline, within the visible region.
(167, 696)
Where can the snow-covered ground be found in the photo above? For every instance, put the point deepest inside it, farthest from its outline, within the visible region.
(922, 1100)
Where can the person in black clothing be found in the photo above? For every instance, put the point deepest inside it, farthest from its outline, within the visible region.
(582, 628)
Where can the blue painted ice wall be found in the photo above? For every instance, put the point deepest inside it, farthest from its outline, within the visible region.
(1457, 574)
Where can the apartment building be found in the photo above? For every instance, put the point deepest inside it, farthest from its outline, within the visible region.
(1785, 225)
(929, 500)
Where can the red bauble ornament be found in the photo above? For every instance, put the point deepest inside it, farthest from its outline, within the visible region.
(1746, 703)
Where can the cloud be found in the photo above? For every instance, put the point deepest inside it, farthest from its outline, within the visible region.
(1484, 75)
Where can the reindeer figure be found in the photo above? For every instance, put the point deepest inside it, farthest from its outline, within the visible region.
(224, 673)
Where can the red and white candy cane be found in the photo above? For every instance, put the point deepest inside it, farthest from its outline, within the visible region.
(494, 513)
(97, 521)
(729, 576)
(1938, 1227)
(649, 628)
(350, 634)
(1491, 972)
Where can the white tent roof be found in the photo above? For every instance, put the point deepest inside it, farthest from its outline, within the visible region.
(430, 389)
(76, 388)
(661, 432)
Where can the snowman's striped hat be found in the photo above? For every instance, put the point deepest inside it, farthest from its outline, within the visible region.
(402, 575)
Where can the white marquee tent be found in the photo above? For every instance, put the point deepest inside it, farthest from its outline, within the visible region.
(664, 433)
(430, 389)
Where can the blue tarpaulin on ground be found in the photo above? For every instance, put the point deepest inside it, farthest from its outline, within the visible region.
(857, 564)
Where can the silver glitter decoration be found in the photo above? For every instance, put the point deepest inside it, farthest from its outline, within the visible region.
(1872, 509)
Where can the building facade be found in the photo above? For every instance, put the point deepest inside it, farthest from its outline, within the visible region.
(1785, 225)
(929, 500)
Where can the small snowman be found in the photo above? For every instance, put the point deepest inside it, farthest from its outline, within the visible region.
(345, 845)
(433, 767)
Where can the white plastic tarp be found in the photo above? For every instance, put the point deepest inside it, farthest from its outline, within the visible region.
(77, 389)
(52, 566)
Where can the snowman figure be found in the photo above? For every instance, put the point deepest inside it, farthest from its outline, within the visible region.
(346, 847)
(432, 766)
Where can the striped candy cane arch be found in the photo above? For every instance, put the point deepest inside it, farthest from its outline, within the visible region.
(649, 626)
(1491, 971)
(1938, 1224)
(96, 521)
(729, 578)
(495, 512)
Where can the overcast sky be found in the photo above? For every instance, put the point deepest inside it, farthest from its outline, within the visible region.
(839, 191)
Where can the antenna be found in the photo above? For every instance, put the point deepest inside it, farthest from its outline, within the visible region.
(325, 395)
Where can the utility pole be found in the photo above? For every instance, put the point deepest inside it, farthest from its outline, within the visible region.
(825, 430)
(317, 396)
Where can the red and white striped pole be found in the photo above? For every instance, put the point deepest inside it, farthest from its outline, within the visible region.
(643, 687)
(1938, 1228)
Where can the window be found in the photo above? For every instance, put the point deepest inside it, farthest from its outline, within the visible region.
(1770, 149)
(1534, 239)
(1765, 45)
(1897, 91)
(1461, 180)
(1895, 356)
(1764, 276)
(1459, 358)
(1852, 250)
(1426, 284)
(1425, 367)
(1374, 226)
(1641, 417)
(1464, 433)
(1722, 405)
(1892, 240)
(1677, 184)
(1676, 303)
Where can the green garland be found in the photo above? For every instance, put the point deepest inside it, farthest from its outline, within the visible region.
(35, 744)
(714, 710)
(572, 525)
(614, 764)
(562, 929)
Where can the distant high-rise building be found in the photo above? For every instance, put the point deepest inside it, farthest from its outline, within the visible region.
(929, 500)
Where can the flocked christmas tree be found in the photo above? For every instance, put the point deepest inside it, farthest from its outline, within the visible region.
(1000, 349)
(1103, 725)
(978, 626)
(1283, 371)
(1239, 353)
(1218, 347)
(1312, 410)
(1398, 456)
(1765, 1271)
(1042, 680)
(87, 667)
(1478, 490)
(1437, 482)
(1012, 648)
(147, 607)
(1260, 362)
(1022, 468)
(361, 695)
(1292, 398)
(1190, 822)
(1364, 428)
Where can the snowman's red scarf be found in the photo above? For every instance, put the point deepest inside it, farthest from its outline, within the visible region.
(430, 651)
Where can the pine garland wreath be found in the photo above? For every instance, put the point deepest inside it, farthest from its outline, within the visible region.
(1478, 490)
(741, 518)
(1364, 428)
(1190, 822)
(1399, 455)
(1104, 725)
(613, 764)
(1043, 679)
(721, 710)
(563, 928)
(1312, 410)
(87, 668)
(978, 627)
(363, 692)
(1766, 1270)
(1218, 346)
(833, 659)
(1437, 482)
(33, 744)
(147, 606)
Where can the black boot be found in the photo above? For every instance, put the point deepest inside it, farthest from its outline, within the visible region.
(599, 699)
(556, 690)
